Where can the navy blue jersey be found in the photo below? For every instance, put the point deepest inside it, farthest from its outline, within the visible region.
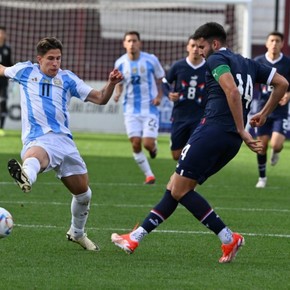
(189, 82)
(283, 67)
(246, 73)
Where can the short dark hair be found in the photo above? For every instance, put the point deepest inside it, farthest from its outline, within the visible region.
(132, 32)
(211, 30)
(190, 37)
(2, 27)
(276, 33)
(46, 44)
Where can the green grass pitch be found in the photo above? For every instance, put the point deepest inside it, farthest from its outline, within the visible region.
(180, 254)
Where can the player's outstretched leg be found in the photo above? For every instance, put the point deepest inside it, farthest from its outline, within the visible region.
(18, 174)
(124, 242)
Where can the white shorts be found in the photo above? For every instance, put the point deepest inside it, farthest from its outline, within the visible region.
(64, 157)
(142, 126)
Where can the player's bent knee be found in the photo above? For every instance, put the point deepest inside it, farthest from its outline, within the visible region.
(84, 198)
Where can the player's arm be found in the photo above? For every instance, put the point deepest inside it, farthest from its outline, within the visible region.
(157, 100)
(103, 96)
(118, 91)
(280, 86)
(227, 83)
(2, 69)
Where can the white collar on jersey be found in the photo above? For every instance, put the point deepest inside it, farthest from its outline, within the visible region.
(195, 66)
(275, 60)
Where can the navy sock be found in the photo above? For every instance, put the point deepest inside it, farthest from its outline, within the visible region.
(160, 212)
(262, 160)
(201, 209)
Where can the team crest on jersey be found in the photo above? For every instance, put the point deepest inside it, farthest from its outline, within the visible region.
(134, 70)
(193, 81)
(57, 82)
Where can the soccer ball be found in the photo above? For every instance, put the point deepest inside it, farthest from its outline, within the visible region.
(6, 222)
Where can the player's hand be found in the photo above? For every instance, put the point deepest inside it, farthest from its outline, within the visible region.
(255, 145)
(257, 120)
(156, 101)
(115, 76)
(173, 96)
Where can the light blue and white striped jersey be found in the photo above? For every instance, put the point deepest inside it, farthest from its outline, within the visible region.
(139, 83)
(44, 99)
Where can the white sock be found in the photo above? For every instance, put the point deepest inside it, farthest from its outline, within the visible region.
(225, 235)
(138, 234)
(143, 163)
(31, 167)
(80, 207)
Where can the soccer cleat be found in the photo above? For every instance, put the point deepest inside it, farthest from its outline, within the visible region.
(124, 242)
(262, 182)
(153, 153)
(149, 180)
(20, 177)
(230, 250)
(84, 241)
(274, 157)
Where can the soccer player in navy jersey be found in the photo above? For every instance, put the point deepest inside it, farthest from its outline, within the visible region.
(46, 91)
(142, 73)
(275, 129)
(218, 138)
(188, 96)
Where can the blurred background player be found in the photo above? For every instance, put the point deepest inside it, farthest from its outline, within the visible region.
(6, 60)
(216, 140)
(188, 96)
(46, 91)
(275, 128)
(143, 75)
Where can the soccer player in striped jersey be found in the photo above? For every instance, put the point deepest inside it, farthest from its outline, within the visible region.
(188, 95)
(217, 139)
(46, 91)
(143, 75)
(275, 129)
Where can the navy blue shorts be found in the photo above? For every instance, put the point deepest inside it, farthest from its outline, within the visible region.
(180, 133)
(279, 125)
(208, 150)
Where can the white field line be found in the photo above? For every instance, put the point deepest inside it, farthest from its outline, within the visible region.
(140, 184)
(177, 232)
(142, 206)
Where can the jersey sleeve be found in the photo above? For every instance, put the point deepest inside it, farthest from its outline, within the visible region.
(158, 69)
(14, 72)
(265, 74)
(216, 60)
(78, 87)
